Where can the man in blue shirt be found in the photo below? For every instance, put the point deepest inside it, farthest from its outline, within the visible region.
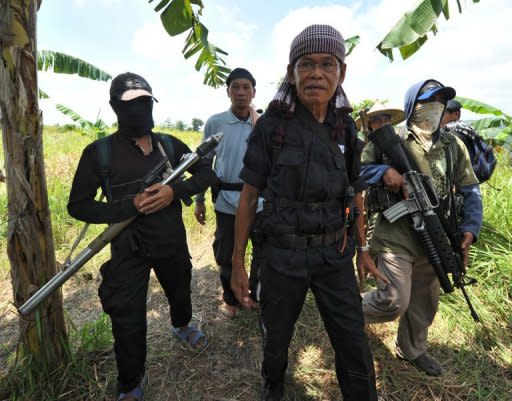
(236, 124)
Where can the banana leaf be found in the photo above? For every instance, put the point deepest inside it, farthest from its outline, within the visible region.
(62, 63)
(410, 32)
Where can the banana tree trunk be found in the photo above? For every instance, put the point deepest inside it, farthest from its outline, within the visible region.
(29, 235)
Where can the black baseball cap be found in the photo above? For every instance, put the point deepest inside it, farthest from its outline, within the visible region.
(453, 105)
(128, 86)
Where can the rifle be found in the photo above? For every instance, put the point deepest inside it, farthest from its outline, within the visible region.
(113, 230)
(154, 175)
(441, 245)
(364, 124)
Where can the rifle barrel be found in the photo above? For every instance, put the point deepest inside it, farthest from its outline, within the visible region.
(109, 233)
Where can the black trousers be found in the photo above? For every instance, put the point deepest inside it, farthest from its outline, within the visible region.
(338, 301)
(123, 294)
(223, 247)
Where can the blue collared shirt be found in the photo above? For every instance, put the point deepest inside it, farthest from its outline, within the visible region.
(228, 156)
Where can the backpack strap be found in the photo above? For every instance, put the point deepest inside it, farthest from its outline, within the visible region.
(103, 153)
(168, 145)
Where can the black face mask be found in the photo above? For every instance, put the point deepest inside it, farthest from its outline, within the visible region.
(134, 117)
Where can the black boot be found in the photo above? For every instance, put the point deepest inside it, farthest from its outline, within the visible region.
(272, 391)
(426, 364)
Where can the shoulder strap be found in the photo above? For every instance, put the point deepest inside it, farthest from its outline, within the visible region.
(103, 153)
(449, 163)
(168, 145)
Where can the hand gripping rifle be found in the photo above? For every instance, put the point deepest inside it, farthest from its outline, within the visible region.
(111, 232)
(440, 243)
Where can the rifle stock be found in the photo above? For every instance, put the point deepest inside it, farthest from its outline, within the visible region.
(441, 248)
(110, 233)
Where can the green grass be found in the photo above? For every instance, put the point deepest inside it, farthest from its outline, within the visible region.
(476, 356)
(88, 366)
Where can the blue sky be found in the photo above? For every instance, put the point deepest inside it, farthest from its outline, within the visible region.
(469, 52)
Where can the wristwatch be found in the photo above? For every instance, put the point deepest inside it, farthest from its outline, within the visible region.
(363, 248)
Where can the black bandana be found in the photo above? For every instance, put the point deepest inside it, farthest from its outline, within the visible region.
(134, 117)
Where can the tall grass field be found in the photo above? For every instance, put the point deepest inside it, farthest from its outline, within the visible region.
(476, 357)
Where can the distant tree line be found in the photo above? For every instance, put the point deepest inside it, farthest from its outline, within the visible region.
(195, 125)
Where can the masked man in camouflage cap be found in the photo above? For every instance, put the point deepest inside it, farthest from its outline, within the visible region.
(413, 292)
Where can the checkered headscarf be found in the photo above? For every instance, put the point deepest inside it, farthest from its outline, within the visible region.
(314, 39)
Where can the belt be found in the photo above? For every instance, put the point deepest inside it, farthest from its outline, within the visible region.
(298, 241)
(230, 186)
(281, 203)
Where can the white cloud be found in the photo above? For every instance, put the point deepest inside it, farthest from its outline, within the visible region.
(471, 53)
(233, 31)
(152, 42)
(463, 54)
(108, 3)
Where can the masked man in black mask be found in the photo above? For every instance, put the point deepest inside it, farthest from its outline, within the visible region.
(119, 164)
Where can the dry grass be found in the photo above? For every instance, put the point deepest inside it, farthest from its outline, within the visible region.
(477, 359)
(228, 369)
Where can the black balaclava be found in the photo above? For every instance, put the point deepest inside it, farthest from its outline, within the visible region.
(134, 116)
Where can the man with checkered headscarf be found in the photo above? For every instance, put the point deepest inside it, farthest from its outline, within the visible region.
(303, 158)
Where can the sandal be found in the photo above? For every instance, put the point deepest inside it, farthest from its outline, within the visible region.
(137, 394)
(229, 311)
(191, 336)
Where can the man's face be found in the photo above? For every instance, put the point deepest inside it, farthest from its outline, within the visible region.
(378, 120)
(450, 116)
(316, 77)
(241, 93)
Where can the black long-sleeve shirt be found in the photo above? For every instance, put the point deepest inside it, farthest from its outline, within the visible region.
(158, 234)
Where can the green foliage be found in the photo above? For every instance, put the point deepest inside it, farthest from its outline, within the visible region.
(364, 104)
(42, 94)
(90, 347)
(177, 17)
(197, 124)
(61, 63)
(497, 128)
(410, 32)
(491, 265)
(180, 125)
(94, 336)
(468, 353)
(351, 43)
(93, 130)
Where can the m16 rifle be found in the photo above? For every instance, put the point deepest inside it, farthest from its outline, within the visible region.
(441, 245)
(113, 230)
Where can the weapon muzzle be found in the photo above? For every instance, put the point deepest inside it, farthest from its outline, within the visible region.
(210, 144)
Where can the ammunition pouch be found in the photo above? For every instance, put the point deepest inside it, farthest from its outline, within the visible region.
(377, 199)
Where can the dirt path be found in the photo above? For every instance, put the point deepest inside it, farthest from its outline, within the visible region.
(176, 373)
(229, 369)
